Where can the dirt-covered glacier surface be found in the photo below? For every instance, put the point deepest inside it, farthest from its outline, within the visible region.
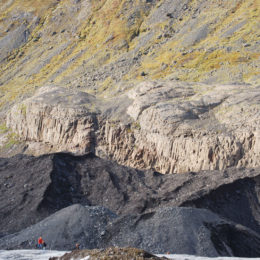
(45, 255)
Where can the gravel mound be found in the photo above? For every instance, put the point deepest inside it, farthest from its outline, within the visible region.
(175, 230)
(114, 253)
(65, 228)
(184, 231)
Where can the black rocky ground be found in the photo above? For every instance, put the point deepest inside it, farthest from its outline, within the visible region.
(176, 230)
(65, 228)
(32, 189)
(183, 231)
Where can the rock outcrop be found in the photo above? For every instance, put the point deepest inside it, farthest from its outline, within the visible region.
(169, 126)
(182, 127)
(56, 119)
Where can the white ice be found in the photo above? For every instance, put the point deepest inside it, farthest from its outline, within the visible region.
(29, 254)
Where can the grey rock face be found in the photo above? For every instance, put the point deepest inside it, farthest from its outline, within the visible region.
(169, 126)
(57, 118)
(196, 36)
(13, 40)
(180, 127)
(233, 29)
(174, 9)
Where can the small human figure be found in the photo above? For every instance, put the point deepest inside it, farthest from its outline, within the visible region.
(40, 243)
(44, 245)
(77, 246)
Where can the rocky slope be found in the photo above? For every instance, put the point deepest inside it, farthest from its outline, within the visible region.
(97, 45)
(131, 61)
(65, 228)
(178, 230)
(33, 188)
(184, 231)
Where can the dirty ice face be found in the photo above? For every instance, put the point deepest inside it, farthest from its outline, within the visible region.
(46, 254)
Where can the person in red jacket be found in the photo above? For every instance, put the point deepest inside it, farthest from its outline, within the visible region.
(40, 243)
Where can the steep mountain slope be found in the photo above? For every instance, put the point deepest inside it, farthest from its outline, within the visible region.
(129, 59)
(105, 46)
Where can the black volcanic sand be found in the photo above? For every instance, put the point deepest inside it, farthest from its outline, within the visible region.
(33, 188)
